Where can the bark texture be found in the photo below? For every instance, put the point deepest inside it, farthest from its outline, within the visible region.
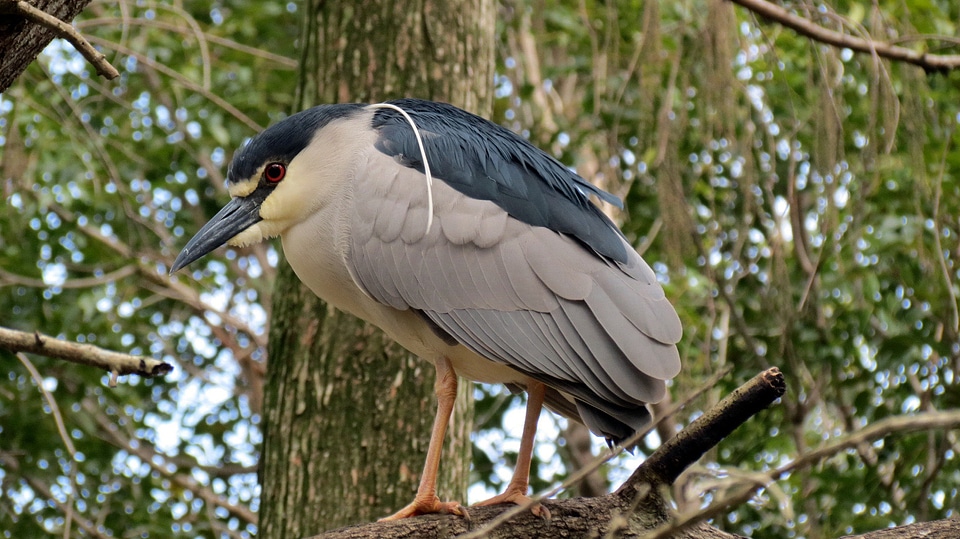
(587, 517)
(347, 413)
(638, 508)
(577, 517)
(21, 40)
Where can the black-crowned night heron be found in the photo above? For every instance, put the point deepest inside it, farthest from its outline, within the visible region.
(501, 271)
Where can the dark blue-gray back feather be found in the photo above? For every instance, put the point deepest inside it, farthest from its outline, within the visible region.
(486, 161)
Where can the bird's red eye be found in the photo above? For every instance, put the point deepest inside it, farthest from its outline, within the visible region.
(274, 172)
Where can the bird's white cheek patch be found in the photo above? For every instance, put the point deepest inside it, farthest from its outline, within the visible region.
(281, 210)
(242, 189)
(249, 236)
(272, 208)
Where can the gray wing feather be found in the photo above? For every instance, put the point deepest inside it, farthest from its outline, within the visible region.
(389, 223)
(645, 352)
(608, 359)
(518, 294)
(561, 272)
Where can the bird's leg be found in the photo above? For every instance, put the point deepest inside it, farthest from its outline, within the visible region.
(426, 500)
(516, 491)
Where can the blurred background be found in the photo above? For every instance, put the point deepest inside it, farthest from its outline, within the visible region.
(800, 204)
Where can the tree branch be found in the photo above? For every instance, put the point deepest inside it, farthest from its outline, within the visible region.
(678, 453)
(901, 424)
(937, 529)
(159, 463)
(929, 421)
(85, 354)
(806, 27)
(638, 509)
(63, 30)
(10, 463)
(615, 514)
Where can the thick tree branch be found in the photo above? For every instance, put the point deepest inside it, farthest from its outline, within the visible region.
(85, 354)
(628, 512)
(575, 477)
(63, 30)
(937, 529)
(806, 27)
(638, 508)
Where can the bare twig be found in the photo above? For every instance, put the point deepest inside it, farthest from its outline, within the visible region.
(901, 424)
(11, 465)
(84, 354)
(62, 430)
(158, 462)
(938, 231)
(806, 27)
(9, 279)
(185, 81)
(276, 61)
(63, 30)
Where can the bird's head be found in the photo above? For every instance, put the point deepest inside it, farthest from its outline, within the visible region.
(279, 178)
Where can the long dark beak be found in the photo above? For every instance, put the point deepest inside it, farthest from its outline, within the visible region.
(238, 215)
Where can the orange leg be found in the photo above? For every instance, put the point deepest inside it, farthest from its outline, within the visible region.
(516, 491)
(426, 500)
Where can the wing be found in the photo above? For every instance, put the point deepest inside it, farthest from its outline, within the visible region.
(486, 161)
(527, 296)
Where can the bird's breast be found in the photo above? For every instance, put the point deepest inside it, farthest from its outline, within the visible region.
(318, 259)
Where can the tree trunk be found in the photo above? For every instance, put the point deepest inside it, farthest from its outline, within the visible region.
(347, 413)
(21, 40)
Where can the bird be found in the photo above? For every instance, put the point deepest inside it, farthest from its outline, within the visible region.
(473, 249)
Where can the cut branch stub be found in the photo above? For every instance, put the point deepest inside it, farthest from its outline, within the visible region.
(678, 453)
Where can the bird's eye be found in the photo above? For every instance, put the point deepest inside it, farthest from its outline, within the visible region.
(274, 172)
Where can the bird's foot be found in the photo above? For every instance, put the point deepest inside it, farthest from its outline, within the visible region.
(517, 497)
(428, 505)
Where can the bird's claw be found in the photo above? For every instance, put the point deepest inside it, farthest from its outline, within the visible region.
(428, 505)
(517, 498)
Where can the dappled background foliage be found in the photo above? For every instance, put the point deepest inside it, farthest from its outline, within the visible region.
(799, 203)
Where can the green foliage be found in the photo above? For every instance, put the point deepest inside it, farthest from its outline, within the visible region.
(798, 202)
(102, 181)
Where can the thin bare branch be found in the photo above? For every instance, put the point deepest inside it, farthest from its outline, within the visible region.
(12, 279)
(185, 81)
(901, 424)
(806, 27)
(276, 60)
(938, 231)
(84, 354)
(67, 442)
(11, 465)
(158, 462)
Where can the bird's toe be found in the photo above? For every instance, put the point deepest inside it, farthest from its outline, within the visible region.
(518, 498)
(428, 505)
